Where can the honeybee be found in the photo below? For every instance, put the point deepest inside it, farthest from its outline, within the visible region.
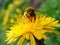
(30, 13)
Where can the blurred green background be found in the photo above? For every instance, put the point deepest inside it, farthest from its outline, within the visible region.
(9, 9)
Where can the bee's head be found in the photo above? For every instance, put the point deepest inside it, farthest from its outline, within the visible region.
(30, 11)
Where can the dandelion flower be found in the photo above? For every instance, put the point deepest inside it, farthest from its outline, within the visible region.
(29, 29)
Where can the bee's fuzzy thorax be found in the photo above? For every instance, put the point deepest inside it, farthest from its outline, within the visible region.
(29, 8)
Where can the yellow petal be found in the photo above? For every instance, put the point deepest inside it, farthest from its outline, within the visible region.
(27, 36)
(32, 40)
(11, 40)
(51, 30)
(20, 42)
(44, 36)
(38, 34)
